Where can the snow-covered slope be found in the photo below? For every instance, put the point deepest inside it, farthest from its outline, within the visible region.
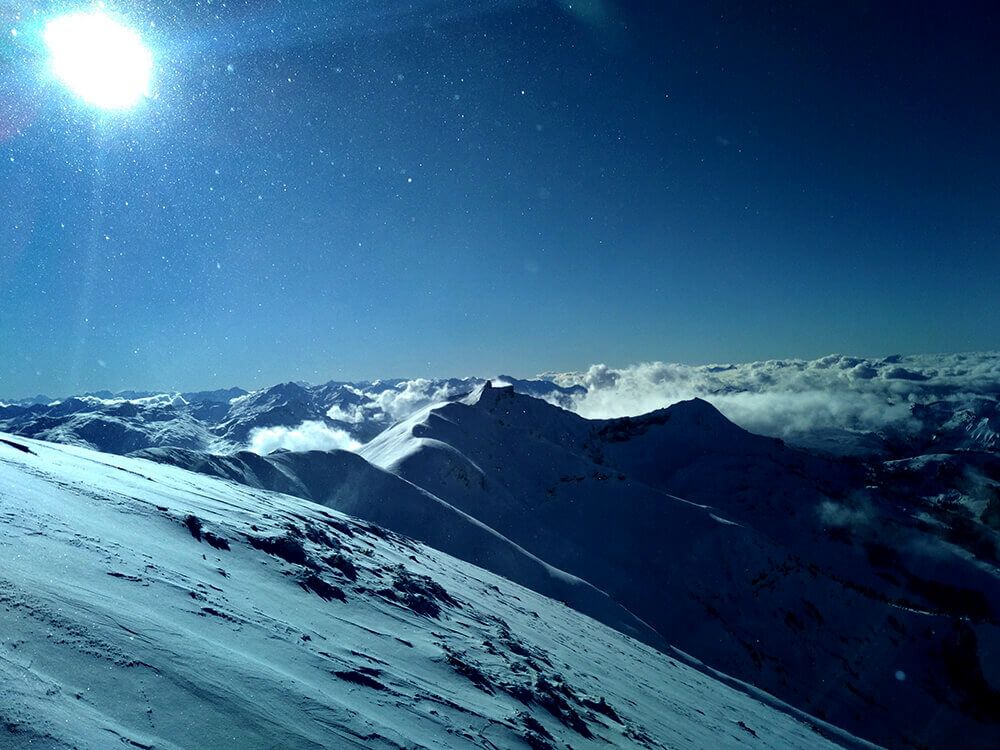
(780, 567)
(149, 607)
(346, 482)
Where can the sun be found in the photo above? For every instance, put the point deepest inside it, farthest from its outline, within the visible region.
(99, 59)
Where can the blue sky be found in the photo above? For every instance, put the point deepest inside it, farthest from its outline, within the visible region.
(446, 188)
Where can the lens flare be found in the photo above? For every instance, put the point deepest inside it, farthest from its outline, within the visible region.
(100, 60)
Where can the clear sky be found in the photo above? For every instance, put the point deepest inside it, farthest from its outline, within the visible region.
(353, 190)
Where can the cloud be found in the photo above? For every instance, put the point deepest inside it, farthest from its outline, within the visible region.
(845, 516)
(409, 396)
(350, 413)
(308, 436)
(792, 399)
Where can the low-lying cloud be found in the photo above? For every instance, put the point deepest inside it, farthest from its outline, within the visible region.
(350, 413)
(842, 515)
(308, 436)
(412, 395)
(792, 399)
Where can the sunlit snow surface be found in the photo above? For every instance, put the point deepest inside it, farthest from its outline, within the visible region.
(119, 627)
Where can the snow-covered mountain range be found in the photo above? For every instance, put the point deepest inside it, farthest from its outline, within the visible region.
(849, 569)
(334, 414)
(891, 407)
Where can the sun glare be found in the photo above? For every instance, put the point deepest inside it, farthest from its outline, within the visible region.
(100, 60)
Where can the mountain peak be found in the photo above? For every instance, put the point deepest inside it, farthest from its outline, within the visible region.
(686, 423)
(488, 394)
(699, 411)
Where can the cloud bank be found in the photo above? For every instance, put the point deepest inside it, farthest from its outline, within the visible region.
(308, 436)
(411, 395)
(798, 400)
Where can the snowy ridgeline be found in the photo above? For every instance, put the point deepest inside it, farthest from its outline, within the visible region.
(146, 606)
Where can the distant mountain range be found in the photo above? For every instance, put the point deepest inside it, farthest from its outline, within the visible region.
(224, 420)
(893, 407)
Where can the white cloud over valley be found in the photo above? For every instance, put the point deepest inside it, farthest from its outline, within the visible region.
(308, 436)
(789, 398)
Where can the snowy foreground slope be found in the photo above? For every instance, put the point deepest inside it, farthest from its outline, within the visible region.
(346, 482)
(144, 606)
